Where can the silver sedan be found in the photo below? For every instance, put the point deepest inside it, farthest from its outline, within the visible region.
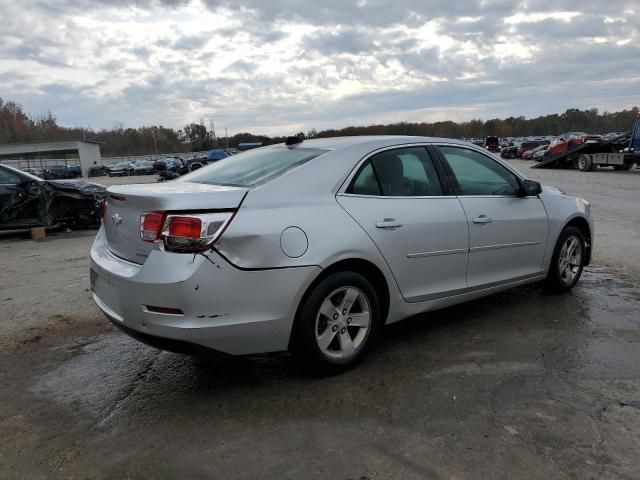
(313, 246)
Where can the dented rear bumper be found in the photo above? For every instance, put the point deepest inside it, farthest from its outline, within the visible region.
(223, 307)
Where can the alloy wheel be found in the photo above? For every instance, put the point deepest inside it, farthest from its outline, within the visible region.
(570, 259)
(343, 323)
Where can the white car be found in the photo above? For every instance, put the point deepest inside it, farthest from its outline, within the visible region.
(313, 246)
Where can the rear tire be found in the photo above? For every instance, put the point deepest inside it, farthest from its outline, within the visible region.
(567, 261)
(325, 335)
(625, 166)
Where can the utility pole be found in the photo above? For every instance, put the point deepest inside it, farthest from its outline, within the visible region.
(153, 135)
(212, 128)
(226, 137)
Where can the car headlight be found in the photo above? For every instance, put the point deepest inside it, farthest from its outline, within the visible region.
(587, 206)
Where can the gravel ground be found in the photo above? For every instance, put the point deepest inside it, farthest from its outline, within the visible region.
(515, 385)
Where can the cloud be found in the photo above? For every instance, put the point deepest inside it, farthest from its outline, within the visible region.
(341, 41)
(295, 64)
(191, 42)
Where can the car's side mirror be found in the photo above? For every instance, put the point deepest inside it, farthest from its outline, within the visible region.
(529, 188)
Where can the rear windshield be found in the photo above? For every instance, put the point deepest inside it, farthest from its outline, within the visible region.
(253, 166)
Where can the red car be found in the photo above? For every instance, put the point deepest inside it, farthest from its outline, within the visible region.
(528, 155)
(568, 141)
(530, 145)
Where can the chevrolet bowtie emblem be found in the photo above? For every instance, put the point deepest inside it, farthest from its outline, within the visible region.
(116, 219)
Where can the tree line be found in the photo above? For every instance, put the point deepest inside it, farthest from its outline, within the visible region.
(16, 126)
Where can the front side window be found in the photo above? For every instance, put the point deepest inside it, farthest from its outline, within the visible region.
(402, 172)
(477, 174)
(251, 167)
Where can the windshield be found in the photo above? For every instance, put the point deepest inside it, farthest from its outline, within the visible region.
(217, 155)
(253, 166)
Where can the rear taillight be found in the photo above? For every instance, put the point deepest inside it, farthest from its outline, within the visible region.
(186, 232)
(185, 227)
(151, 224)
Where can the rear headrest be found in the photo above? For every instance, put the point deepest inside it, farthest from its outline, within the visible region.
(389, 167)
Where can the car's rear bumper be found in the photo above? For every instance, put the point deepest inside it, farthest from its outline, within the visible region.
(224, 308)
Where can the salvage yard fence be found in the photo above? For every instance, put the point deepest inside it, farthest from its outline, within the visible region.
(41, 164)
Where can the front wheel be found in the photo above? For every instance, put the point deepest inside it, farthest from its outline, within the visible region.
(585, 163)
(567, 261)
(336, 323)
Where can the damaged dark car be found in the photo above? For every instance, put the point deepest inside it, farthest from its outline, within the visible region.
(28, 201)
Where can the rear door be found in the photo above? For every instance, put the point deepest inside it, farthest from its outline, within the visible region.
(507, 231)
(418, 225)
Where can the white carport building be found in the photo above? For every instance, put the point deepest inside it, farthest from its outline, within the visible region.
(87, 151)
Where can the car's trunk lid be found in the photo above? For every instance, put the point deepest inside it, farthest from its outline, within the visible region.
(126, 203)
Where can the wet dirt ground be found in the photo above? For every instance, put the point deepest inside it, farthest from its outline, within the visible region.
(521, 384)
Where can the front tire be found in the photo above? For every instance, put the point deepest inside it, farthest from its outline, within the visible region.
(585, 163)
(336, 323)
(567, 261)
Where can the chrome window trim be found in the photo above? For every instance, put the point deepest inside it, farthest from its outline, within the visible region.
(433, 197)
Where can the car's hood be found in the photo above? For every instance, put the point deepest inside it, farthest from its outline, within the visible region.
(82, 186)
(546, 189)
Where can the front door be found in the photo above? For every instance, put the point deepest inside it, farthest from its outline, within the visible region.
(420, 228)
(19, 200)
(507, 231)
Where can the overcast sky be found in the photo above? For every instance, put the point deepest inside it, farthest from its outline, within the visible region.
(281, 66)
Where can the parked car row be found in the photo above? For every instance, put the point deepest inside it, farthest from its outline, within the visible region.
(54, 172)
(139, 167)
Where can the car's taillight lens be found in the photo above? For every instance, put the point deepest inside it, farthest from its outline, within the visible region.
(188, 227)
(195, 232)
(151, 224)
(185, 232)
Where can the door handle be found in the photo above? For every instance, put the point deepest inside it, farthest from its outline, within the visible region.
(482, 219)
(388, 223)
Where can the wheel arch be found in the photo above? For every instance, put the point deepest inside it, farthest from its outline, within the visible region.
(367, 269)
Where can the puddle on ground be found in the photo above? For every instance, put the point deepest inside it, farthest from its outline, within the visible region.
(591, 332)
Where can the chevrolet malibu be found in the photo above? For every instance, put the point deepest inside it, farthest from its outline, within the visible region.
(313, 246)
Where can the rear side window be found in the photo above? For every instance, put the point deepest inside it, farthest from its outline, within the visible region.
(366, 182)
(403, 172)
(8, 178)
(477, 174)
(252, 167)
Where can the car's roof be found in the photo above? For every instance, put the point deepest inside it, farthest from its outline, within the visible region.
(337, 143)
